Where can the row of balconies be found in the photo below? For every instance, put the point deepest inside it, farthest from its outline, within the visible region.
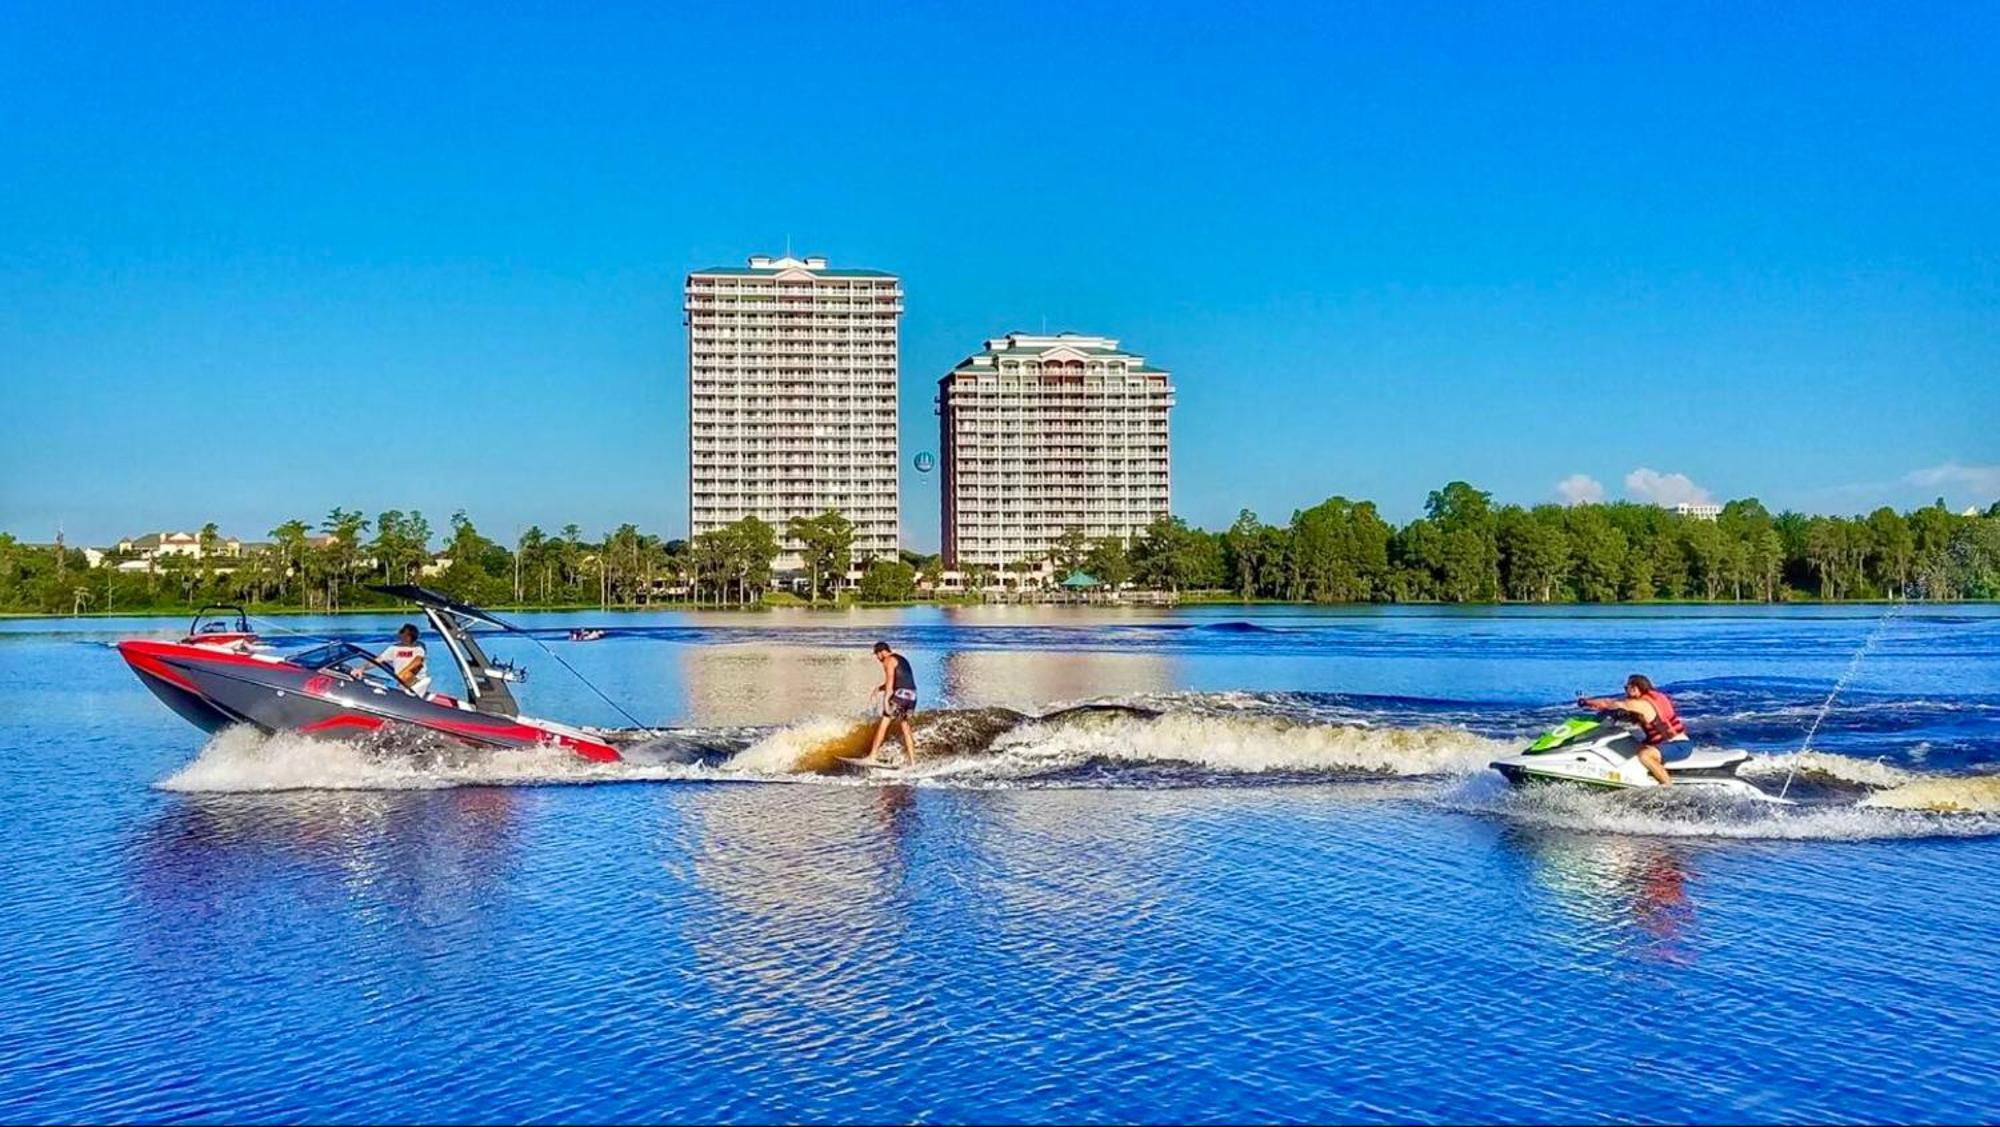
(1112, 384)
(774, 437)
(811, 299)
(723, 311)
(847, 329)
(855, 509)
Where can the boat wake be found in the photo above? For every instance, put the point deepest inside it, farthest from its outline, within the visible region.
(1197, 741)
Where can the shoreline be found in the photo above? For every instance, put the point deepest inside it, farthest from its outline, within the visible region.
(755, 608)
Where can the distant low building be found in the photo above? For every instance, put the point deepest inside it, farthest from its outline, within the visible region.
(1699, 511)
(154, 545)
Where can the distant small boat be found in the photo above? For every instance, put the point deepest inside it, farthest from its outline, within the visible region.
(585, 634)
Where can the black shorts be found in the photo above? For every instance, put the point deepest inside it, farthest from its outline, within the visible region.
(897, 706)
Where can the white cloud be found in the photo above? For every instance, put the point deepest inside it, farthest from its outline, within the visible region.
(1666, 489)
(1980, 480)
(1580, 489)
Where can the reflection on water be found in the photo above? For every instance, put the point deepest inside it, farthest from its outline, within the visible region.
(767, 684)
(1030, 682)
(1213, 914)
(237, 866)
(1627, 896)
(773, 684)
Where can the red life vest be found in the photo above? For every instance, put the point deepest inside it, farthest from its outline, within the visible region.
(1666, 721)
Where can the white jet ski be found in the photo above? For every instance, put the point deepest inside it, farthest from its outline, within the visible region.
(1597, 752)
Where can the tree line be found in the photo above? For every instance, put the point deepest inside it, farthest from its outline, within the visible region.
(1463, 549)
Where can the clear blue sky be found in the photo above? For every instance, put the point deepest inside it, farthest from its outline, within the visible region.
(259, 260)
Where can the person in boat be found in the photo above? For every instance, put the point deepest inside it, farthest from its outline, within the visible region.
(406, 660)
(898, 691)
(1659, 722)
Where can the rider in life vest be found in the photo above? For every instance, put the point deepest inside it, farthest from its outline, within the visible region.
(1659, 722)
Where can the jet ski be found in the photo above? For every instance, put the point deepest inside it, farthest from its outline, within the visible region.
(221, 674)
(1598, 752)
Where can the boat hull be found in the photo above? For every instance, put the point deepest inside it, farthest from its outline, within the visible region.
(214, 689)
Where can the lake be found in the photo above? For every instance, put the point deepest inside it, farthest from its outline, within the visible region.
(1295, 893)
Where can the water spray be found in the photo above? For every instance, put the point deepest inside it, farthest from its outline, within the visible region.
(1868, 645)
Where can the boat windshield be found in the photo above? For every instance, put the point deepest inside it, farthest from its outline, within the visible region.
(348, 660)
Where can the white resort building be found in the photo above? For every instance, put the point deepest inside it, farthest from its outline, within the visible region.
(1043, 433)
(792, 371)
(1699, 510)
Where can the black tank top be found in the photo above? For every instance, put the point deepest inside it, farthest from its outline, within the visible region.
(906, 678)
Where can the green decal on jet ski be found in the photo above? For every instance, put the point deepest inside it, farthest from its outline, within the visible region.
(1563, 733)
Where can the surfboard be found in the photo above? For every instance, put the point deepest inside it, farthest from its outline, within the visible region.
(872, 766)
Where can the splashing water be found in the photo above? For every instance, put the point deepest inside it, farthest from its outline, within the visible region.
(1868, 645)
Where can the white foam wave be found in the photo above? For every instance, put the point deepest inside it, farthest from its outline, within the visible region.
(1708, 815)
(1240, 744)
(245, 760)
(797, 747)
(1977, 794)
(1840, 768)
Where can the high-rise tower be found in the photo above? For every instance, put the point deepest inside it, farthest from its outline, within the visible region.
(1044, 433)
(792, 372)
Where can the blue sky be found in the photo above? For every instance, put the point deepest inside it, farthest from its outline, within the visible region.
(257, 261)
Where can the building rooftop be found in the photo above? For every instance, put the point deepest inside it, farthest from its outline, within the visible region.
(762, 265)
(1034, 345)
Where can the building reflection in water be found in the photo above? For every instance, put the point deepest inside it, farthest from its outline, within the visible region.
(1030, 681)
(770, 684)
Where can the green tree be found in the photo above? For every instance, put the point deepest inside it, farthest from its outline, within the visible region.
(1338, 551)
(1468, 554)
(1534, 552)
(888, 581)
(752, 549)
(1598, 550)
(1166, 555)
(826, 544)
(1068, 550)
(341, 552)
(1109, 562)
(1893, 549)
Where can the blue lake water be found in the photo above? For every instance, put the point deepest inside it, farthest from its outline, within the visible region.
(1297, 893)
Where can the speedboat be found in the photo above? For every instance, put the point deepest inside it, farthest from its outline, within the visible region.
(586, 634)
(221, 674)
(1597, 752)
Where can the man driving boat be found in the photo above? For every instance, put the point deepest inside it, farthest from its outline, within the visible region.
(406, 660)
(1659, 722)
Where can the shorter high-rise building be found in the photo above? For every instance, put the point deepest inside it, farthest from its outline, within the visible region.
(1044, 433)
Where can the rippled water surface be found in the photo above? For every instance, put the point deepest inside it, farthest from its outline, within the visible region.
(1277, 882)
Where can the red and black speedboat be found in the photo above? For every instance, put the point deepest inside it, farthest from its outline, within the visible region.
(222, 674)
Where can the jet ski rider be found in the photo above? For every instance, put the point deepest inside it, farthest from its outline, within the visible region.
(1659, 722)
(406, 660)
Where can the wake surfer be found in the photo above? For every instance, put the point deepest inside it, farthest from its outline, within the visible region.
(898, 691)
(1659, 722)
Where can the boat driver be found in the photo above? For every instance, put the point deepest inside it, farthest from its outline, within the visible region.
(406, 660)
(1659, 722)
